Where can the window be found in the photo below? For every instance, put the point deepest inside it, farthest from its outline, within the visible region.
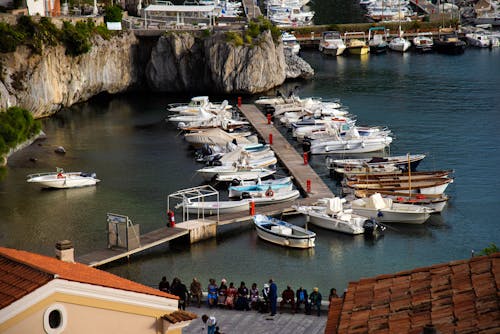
(55, 319)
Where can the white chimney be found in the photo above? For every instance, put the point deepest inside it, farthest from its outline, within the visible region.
(65, 251)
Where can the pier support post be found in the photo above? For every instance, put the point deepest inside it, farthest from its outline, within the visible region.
(239, 101)
(268, 118)
(252, 208)
(270, 139)
(308, 186)
(305, 158)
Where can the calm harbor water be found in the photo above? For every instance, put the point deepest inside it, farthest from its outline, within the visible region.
(446, 107)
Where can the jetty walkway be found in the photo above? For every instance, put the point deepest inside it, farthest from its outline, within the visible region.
(305, 178)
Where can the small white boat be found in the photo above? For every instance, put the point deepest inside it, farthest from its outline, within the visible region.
(386, 211)
(282, 233)
(399, 44)
(402, 161)
(423, 42)
(196, 104)
(478, 39)
(331, 43)
(276, 197)
(436, 202)
(290, 42)
(332, 216)
(212, 207)
(230, 173)
(62, 179)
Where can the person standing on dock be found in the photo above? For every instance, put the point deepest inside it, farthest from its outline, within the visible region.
(273, 296)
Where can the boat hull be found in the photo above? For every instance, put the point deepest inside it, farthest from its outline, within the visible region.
(210, 208)
(66, 181)
(327, 222)
(387, 216)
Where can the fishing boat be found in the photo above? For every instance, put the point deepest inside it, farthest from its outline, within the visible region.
(401, 161)
(385, 210)
(63, 180)
(350, 172)
(331, 43)
(275, 185)
(449, 44)
(282, 233)
(331, 215)
(427, 186)
(401, 177)
(210, 208)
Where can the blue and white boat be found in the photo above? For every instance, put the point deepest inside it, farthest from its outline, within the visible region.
(282, 233)
(262, 187)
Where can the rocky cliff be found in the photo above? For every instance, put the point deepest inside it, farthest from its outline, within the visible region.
(45, 83)
(177, 62)
(182, 62)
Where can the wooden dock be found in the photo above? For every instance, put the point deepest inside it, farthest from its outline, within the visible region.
(148, 240)
(197, 230)
(287, 154)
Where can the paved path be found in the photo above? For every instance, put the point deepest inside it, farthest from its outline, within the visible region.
(252, 322)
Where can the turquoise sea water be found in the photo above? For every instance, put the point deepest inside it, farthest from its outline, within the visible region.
(444, 106)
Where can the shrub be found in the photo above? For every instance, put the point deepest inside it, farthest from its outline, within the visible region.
(113, 14)
(234, 38)
(76, 38)
(492, 248)
(10, 38)
(16, 125)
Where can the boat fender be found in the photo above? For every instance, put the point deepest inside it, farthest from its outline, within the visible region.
(286, 242)
(380, 214)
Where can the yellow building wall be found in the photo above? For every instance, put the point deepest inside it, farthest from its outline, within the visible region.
(89, 315)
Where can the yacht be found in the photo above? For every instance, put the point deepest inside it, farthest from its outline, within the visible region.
(331, 43)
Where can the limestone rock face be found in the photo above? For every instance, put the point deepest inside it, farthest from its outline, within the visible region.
(45, 83)
(296, 67)
(181, 62)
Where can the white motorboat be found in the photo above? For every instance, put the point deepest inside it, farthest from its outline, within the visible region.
(332, 216)
(290, 16)
(196, 104)
(216, 136)
(210, 208)
(331, 43)
(61, 179)
(260, 187)
(282, 233)
(429, 186)
(423, 42)
(386, 211)
(200, 116)
(436, 202)
(290, 42)
(275, 197)
(377, 40)
(478, 39)
(350, 142)
(230, 173)
(399, 44)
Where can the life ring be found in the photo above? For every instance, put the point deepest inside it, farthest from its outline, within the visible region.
(60, 176)
(171, 218)
(269, 192)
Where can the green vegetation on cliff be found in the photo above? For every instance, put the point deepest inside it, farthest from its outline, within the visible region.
(41, 33)
(16, 126)
(253, 31)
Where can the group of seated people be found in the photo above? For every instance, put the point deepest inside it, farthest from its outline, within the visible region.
(243, 298)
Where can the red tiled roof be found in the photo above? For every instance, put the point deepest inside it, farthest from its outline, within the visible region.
(179, 316)
(456, 297)
(28, 271)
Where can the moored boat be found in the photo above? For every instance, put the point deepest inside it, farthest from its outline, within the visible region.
(282, 233)
(436, 202)
(332, 216)
(426, 186)
(402, 161)
(62, 180)
(274, 185)
(213, 207)
(386, 211)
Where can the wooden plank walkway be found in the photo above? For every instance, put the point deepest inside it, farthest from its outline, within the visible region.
(287, 154)
(148, 240)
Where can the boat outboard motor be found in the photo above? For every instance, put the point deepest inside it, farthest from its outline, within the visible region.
(245, 195)
(370, 226)
(206, 150)
(235, 182)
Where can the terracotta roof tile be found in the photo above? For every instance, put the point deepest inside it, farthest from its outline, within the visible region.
(179, 316)
(34, 267)
(457, 297)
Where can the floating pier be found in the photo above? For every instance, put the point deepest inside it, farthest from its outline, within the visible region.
(124, 238)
